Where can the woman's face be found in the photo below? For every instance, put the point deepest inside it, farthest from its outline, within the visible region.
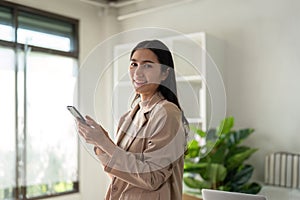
(145, 73)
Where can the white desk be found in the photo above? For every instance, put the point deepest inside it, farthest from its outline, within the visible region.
(280, 193)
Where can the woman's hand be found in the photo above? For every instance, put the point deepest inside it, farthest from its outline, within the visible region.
(93, 133)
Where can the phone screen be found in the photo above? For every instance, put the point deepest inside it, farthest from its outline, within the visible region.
(76, 113)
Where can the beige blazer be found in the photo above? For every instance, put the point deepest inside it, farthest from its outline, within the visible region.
(150, 165)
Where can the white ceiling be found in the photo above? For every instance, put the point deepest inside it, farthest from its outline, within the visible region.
(131, 8)
(112, 3)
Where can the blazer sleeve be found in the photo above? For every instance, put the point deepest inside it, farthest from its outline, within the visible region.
(103, 157)
(165, 146)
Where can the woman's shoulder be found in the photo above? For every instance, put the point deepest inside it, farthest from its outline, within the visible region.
(168, 107)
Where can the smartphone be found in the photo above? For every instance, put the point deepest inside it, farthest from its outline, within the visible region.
(76, 113)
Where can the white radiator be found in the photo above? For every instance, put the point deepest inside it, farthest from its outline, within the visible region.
(283, 169)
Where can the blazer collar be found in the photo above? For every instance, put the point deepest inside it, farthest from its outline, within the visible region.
(155, 99)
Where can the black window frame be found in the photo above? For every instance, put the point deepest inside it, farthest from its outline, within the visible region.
(16, 8)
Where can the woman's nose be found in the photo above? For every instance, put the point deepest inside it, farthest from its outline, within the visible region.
(139, 70)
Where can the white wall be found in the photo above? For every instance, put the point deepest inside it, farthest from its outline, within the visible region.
(262, 65)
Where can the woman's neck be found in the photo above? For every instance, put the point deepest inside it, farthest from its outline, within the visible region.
(147, 97)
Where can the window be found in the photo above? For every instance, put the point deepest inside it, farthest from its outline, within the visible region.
(8, 121)
(38, 30)
(38, 75)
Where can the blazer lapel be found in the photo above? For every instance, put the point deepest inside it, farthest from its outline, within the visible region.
(125, 125)
(141, 121)
(133, 135)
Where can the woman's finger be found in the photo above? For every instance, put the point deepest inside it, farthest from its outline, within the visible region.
(82, 125)
(82, 132)
(90, 121)
(94, 124)
(83, 129)
(89, 118)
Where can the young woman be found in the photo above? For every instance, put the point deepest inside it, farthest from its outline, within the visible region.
(146, 161)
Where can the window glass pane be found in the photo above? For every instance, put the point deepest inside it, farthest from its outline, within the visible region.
(52, 145)
(6, 28)
(7, 123)
(45, 32)
(45, 40)
(45, 24)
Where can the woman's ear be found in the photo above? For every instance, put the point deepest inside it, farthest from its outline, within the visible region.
(165, 74)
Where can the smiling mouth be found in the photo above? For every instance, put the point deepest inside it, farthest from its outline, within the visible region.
(139, 83)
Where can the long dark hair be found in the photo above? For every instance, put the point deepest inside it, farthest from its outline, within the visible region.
(168, 86)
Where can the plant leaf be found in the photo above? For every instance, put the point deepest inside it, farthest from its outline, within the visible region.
(237, 150)
(216, 172)
(252, 188)
(237, 159)
(238, 136)
(194, 167)
(225, 126)
(196, 184)
(218, 155)
(198, 131)
(241, 176)
(193, 149)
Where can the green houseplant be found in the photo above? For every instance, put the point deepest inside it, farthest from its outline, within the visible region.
(219, 162)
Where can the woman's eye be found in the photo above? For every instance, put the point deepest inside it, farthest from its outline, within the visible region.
(133, 64)
(147, 65)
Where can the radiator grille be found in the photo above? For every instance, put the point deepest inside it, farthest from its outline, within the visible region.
(282, 169)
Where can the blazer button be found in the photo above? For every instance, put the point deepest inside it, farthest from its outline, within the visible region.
(114, 188)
